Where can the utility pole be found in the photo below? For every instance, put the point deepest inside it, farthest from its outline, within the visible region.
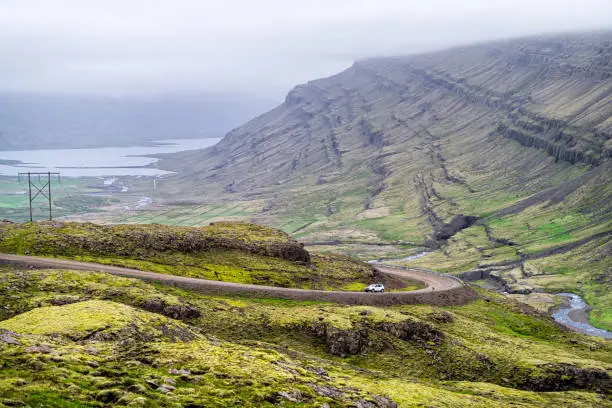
(43, 190)
(49, 185)
(30, 193)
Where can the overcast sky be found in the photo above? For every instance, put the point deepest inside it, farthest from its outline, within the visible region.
(261, 47)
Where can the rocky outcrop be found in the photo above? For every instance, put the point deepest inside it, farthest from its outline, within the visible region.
(558, 151)
(175, 311)
(343, 342)
(362, 337)
(458, 223)
(413, 330)
(562, 377)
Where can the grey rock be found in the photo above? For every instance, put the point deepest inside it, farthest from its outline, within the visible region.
(293, 396)
(319, 371)
(43, 348)
(166, 389)
(174, 371)
(385, 402)
(365, 404)
(170, 381)
(9, 337)
(91, 350)
(327, 391)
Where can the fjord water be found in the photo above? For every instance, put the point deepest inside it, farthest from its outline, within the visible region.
(96, 162)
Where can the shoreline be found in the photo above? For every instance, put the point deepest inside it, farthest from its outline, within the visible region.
(140, 143)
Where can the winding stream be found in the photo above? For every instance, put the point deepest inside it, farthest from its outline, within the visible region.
(578, 305)
(566, 316)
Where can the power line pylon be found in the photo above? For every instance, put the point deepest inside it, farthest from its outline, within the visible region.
(41, 189)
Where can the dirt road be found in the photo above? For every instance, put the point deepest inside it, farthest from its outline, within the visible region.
(433, 281)
(440, 290)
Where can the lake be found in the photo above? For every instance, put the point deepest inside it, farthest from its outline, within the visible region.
(98, 162)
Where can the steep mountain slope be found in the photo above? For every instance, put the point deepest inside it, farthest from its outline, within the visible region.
(421, 139)
(499, 154)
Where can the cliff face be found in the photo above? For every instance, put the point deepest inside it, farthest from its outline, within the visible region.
(426, 138)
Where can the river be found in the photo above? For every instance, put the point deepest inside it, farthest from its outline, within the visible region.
(567, 317)
(575, 316)
(97, 162)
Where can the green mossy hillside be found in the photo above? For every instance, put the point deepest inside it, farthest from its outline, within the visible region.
(97, 319)
(232, 252)
(258, 352)
(133, 240)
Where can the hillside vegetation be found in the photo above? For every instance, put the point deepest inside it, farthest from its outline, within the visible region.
(231, 252)
(493, 158)
(497, 155)
(83, 339)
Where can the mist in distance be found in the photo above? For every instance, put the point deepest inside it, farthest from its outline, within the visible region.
(89, 73)
(262, 48)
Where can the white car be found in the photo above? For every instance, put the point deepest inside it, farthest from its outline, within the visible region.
(376, 288)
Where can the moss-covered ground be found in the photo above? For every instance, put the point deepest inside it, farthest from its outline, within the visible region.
(82, 339)
(232, 252)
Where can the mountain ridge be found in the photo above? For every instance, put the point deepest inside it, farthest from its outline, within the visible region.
(514, 136)
(316, 125)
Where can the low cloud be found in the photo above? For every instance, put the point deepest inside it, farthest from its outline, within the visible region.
(263, 47)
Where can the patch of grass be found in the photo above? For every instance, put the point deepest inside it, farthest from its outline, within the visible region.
(80, 319)
(389, 229)
(84, 319)
(354, 286)
(52, 399)
(71, 196)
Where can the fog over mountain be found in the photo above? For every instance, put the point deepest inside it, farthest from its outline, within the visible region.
(264, 48)
(186, 67)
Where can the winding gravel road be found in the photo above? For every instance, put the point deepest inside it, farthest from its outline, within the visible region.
(440, 290)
